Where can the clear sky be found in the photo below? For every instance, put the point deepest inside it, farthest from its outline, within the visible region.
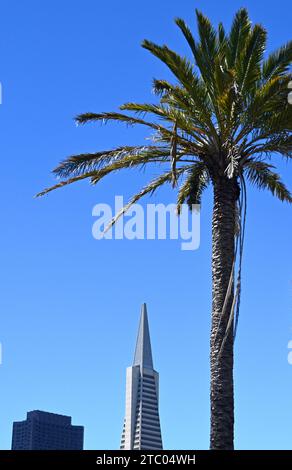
(70, 304)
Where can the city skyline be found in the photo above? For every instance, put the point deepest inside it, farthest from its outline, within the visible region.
(43, 430)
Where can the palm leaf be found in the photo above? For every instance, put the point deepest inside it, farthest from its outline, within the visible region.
(180, 66)
(249, 66)
(261, 174)
(112, 116)
(78, 164)
(66, 183)
(150, 188)
(187, 34)
(278, 63)
(193, 187)
(239, 33)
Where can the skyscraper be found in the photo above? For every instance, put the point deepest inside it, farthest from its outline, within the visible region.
(46, 431)
(142, 424)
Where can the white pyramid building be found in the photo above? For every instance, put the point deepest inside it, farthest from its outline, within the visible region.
(142, 424)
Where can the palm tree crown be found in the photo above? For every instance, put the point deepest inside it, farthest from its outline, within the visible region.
(226, 114)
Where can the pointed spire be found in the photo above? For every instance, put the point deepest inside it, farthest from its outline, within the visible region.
(143, 354)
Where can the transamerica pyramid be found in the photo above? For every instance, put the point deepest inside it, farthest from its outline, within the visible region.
(142, 424)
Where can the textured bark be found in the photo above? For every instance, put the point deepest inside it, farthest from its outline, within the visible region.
(223, 230)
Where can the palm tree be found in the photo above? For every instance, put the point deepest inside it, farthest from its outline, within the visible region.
(219, 123)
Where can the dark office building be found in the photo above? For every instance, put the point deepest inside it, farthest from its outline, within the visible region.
(46, 431)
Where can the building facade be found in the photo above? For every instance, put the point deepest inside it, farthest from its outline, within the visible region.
(142, 423)
(46, 431)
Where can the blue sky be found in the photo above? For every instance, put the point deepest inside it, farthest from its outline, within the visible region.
(70, 304)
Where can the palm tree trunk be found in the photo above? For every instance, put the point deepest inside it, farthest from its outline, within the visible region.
(221, 358)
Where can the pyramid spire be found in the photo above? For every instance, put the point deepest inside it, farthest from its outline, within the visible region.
(143, 353)
(141, 428)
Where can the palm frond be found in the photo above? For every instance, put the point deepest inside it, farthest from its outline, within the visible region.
(261, 175)
(208, 38)
(171, 114)
(271, 97)
(150, 188)
(281, 144)
(66, 183)
(191, 190)
(222, 40)
(185, 73)
(200, 60)
(180, 66)
(187, 34)
(112, 116)
(129, 161)
(240, 30)
(160, 87)
(249, 66)
(198, 110)
(278, 63)
(78, 164)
